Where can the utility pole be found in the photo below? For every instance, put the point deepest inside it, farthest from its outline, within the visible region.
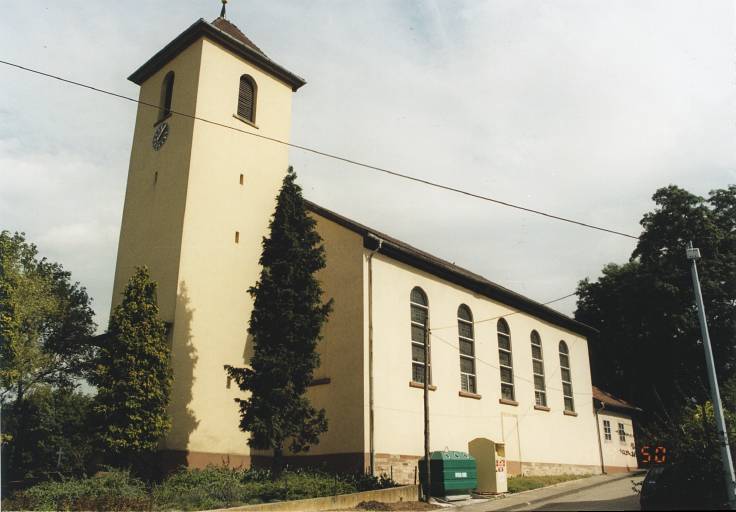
(426, 409)
(693, 254)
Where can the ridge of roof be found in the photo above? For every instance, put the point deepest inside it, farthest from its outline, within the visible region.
(227, 35)
(608, 399)
(402, 251)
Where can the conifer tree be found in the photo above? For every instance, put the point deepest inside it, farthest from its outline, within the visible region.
(285, 324)
(133, 375)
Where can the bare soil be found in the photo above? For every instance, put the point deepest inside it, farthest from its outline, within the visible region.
(399, 505)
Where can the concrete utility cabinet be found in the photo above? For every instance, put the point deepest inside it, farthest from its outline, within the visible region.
(490, 459)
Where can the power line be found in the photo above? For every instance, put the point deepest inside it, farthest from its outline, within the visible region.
(325, 154)
(505, 315)
(516, 375)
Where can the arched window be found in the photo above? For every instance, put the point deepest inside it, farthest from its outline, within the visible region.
(247, 98)
(504, 359)
(419, 326)
(540, 391)
(566, 377)
(467, 349)
(167, 91)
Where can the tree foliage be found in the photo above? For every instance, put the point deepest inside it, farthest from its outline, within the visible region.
(133, 375)
(46, 322)
(285, 324)
(649, 349)
(694, 450)
(57, 437)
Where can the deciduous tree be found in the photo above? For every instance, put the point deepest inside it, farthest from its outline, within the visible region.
(649, 349)
(46, 322)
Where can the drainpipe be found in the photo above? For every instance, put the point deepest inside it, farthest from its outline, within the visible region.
(371, 442)
(600, 442)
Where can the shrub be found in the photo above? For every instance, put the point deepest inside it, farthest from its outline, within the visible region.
(220, 487)
(111, 490)
(195, 489)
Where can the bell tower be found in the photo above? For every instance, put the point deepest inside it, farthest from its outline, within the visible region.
(198, 200)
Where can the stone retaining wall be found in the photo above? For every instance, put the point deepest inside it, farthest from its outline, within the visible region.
(341, 501)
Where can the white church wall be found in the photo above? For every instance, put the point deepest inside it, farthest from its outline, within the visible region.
(536, 440)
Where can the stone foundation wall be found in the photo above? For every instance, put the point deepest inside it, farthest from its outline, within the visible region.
(402, 468)
(547, 468)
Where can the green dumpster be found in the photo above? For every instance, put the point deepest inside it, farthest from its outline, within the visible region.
(453, 474)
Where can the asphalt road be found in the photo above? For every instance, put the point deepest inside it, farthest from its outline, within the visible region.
(602, 492)
(616, 495)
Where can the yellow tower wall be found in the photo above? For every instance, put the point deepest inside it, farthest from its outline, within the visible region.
(184, 229)
(156, 191)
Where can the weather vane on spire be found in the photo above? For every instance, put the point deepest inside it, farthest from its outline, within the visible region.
(222, 12)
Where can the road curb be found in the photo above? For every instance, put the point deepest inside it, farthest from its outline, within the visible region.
(526, 503)
(568, 491)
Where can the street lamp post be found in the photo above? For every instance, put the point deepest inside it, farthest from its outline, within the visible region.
(693, 254)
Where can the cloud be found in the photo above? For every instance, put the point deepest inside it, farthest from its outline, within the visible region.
(582, 108)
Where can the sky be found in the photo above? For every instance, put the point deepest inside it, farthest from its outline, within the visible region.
(582, 108)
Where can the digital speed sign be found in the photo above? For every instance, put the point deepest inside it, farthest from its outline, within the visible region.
(652, 455)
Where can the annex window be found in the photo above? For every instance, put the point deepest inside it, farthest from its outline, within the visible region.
(467, 349)
(566, 377)
(419, 326)
(167, 92)
(621, 433)
(504, 359)
(607, 430)
(540, 391)
(247, 98)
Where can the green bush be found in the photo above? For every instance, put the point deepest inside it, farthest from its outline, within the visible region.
(195, 489)
(218, 487)
(111, 490)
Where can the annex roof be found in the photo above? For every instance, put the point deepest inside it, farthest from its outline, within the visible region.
(405, 253)
(227, 35)
(611, 402)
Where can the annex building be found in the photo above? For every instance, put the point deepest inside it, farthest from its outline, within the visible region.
(198, 202)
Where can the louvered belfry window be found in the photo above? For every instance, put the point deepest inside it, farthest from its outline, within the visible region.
(247, 99)
(167, 92)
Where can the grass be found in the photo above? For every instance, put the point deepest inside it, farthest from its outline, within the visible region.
(527, 483)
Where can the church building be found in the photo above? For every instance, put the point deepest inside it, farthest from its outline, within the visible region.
(198, 202)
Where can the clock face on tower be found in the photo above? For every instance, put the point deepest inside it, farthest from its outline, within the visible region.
(160, 136)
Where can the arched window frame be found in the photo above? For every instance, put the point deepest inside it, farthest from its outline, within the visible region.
(566, 377)
(247, 98)
(466, 343)
(540, 388)
(419, 306)
(505, 360)
(167, 93)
